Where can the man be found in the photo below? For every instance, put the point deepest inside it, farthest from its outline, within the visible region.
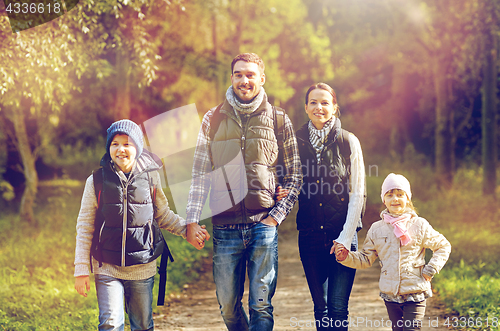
(245, 213)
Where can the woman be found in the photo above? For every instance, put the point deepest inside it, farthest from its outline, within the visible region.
(330, 205)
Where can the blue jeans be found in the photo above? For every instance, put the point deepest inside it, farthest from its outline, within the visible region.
(138, 296)
(330, 283)
(235, 250)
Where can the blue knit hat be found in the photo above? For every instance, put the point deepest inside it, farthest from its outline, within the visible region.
(130, 129)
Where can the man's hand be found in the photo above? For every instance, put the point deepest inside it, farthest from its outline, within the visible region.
(196, 235)
(340, 251)
(82, 285)
(281, 193)
(269, 221)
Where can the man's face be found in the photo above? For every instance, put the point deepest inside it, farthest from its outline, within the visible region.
(247, 80)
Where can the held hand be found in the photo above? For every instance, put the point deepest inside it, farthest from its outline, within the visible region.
(340, 251)
(82, 285)
(427, 277)
(269, 221)
(281, 193)
(196, 235)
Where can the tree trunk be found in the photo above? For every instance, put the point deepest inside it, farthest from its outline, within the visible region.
(30, 174)
(443, 135)
(489, 135)
(122, 102)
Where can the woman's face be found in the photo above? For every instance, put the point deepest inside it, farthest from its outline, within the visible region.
(320, 107)
(123, 152)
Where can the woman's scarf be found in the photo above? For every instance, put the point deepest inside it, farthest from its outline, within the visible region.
(319, 137)
(400, 226)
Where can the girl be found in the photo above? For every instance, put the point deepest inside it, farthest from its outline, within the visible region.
(330, 205)
(399, 240)
(123, 248)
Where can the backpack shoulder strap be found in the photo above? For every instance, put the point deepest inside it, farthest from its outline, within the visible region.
(279, 125)
(345, 148)
(215, 121)
(98, 178)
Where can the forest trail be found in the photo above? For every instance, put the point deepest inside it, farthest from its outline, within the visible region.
(196, 308)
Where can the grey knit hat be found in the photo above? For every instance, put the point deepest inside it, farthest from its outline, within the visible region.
(130, 129)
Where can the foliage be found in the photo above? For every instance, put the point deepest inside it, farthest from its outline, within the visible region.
(36, 279)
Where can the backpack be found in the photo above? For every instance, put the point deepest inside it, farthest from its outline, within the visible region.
(97, 176)
(345, 150)
(279, 131)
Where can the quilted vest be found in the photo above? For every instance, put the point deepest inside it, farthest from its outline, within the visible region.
(324, 196)
(244, 156)
(128, 235)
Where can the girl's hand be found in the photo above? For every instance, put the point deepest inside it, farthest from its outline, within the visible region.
(340, 251)
(427, 277)
(82, 285)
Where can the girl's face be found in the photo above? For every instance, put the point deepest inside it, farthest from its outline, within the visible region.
(123, 152)
(396, 201)
(320, 107)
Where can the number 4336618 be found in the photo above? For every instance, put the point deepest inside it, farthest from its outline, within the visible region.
(463, 322)
(33, 8)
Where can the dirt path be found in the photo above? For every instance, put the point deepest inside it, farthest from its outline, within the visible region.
(197, 308)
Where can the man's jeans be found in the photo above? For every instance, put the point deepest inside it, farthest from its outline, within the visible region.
(330, 283)
(234, 251)
(138, 302)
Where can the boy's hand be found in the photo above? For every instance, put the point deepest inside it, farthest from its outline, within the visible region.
(427, 277)
(82, 285)
(196, 235)
(281, 193)
(340, 251)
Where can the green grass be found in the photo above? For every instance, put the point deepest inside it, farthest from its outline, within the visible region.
(36, 277)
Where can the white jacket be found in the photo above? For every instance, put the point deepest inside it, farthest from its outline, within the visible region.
(402, 266)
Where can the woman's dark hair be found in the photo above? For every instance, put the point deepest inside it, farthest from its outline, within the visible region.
(322, 86)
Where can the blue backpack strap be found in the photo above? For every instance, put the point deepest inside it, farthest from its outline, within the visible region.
(162, 270)
(165, 256)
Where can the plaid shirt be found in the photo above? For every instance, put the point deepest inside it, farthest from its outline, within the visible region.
(202, 168)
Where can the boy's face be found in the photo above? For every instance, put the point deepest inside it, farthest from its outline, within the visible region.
(123, 152)
(396, 200)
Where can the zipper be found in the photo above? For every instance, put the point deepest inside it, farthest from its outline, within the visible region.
(243, 146)
(124, 223)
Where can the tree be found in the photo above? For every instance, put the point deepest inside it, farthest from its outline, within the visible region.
(41, 68)
(489, 92)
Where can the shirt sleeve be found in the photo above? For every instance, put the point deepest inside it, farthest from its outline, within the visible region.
(293, 177)
(164, 216)
(364, 258)
(85, 229)
(356, 196)
(201, 172)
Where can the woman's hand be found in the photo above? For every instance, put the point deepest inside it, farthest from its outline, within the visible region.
(340, 251)
(82, 285)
